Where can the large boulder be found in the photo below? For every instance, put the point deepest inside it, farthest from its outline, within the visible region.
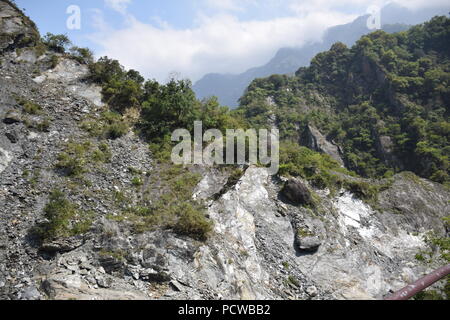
(307, 241)
(313, 139)
(296, 192)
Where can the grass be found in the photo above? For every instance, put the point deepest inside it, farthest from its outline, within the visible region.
(173, 209)
(293, 281)
(119, 255)
(76, 156)
(303, 233)
(54, 60)
(30, 107)
(137, 182)
(110, 125)
(73, 159)
(325, 173)
(64, 219)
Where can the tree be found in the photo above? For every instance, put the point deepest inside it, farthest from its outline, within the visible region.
(56, 42)
(168, 107)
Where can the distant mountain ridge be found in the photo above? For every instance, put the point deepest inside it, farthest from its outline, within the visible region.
(230, 87)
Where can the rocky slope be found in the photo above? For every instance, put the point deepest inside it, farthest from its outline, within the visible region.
(263, 246)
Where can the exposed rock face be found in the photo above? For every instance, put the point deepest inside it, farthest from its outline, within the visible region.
(262, 246)
(16, 30)
(313, 139)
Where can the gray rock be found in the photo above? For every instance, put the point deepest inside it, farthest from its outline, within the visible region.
(103, 281)
(176, 285)
(31, 293)
(62, 245)
(313, 139)
(312, 291)
(14, 27)
(12, 136)
(308, 243)
(12, 117)
(296, 192)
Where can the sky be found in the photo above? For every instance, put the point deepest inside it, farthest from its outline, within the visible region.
(193, 37)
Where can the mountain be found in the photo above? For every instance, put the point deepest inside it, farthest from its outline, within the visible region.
(230, 87)
(92, 208)
(385, 101)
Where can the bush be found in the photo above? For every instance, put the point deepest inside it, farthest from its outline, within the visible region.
(136, 181)
(168, 107)
(63, 218)
(73, 159)
(192, 222)
(29, 106)
(174, 208)
(105, 70)
(116, 130)
(82, 55)
(54, 60)
(110, 125)
(121, 89)
(56, 42)
(319, 169)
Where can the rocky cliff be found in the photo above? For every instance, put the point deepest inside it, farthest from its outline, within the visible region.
(263, 245)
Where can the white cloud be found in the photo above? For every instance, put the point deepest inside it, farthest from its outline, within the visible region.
(420, 4)
(232, 5)
(118, 5)
(219, 41)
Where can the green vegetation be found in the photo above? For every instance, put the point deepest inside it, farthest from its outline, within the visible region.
(137, 182)
(394, 86)
(64, 219)
(82, 55)
(75, 158)
(292, 280)
(163, 108)
(110, 125)
(56, 42)
(29, 106)
(173, 209)
(443, 244)
(318, 168)
(54, 60)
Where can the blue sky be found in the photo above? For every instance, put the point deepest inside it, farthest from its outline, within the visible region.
(194, 37)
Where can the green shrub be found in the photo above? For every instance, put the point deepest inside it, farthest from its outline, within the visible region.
(174, 208)
(30, 107)
(54, 60)
(111, 125)
(56, 42)
(64, 219)
(102, 153)
(136, 181)
(73, 159)
(82, 55)
(116, 130)
(319, 169)
(192, 222)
